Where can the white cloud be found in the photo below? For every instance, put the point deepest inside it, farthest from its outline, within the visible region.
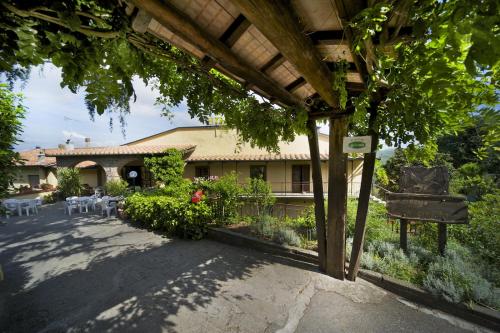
(72, 135)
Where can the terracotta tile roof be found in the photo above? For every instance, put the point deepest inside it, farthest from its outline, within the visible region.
(117, 150)
(253, 157)
(32, 158)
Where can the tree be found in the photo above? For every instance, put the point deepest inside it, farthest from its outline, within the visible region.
(69, 182)
(11, 113)
(168, 169)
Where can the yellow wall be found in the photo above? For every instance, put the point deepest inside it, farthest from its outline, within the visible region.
(47, 176)
(89, 176)
(279, 173)
(217, 141)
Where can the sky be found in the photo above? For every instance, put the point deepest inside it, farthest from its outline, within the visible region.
(55, 114)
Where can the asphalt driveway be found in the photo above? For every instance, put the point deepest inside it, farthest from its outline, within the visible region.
(85, 273)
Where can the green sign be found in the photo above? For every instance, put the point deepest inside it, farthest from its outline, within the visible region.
(357, 144)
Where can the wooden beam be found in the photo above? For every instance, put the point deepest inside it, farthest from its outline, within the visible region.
(296, 84)
(272, 64)
(187, 29)
(319, 198)
(279, 24)
(346, 12)
(141, 21)
(235, 30)
(364, 197)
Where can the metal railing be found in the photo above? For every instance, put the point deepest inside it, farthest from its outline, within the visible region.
(292, 189)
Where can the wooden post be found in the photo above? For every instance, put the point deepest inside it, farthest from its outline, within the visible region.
(363, 201)
(337, 199)
(319, 204)
(403, 237)
(442, 237)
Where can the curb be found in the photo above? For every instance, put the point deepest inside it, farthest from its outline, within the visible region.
(475, 313)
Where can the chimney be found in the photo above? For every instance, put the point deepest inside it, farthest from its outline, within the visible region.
(61, 146)
(41, 154)
(87, 142)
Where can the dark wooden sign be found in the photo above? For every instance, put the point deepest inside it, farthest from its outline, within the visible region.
(417, 179)
(425, 198)
(427, 207)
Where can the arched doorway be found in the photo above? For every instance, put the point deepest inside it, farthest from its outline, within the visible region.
(92, 175)
(144, 177)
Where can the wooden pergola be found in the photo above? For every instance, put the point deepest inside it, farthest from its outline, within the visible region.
(285, 52)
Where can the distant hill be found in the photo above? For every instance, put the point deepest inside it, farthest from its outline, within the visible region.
(385, 154)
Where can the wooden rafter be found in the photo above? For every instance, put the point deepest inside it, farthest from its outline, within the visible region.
(235, 30)
(280, 26)
(187, 29)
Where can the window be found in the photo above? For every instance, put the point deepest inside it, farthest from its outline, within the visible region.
(34, 181)
(258, 171)
(300, 178)
(202, 171)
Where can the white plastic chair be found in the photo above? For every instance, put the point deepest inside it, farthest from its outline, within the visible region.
(108, 206)
(30, 206)
(70, 204)
(84, 203)
(11, 207)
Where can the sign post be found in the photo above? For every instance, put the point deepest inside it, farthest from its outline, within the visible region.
(357, 144)
(133, 174)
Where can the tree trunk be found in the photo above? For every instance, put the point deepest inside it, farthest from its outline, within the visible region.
(319, 203)
(337, 199)
(363, 202)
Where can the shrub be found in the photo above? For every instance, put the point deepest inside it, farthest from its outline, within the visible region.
(50, 198)
(167, 169)
(470, 181)
(258, 192)
(457, 278)
(482, 234)
(172, 215)
(264, 225)
(307, 220)
(286, 236)
(116, 187)
(377, 227)
(228, 192)
(68, 180)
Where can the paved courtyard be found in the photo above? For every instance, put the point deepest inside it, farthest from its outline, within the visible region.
(90, 274)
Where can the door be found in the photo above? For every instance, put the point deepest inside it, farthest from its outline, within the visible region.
(34, 181)
(300, 178)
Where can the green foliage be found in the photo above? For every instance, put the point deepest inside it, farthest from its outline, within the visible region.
(306, 220)
(264, 225)
(470, 181)
(457, 278)
(228, 192)
(339, 81)
(470, 146)
(286, 236)
(95, 47)
(116, 187)
(258, 192)
(169, 214)
(50, 198)
(11, 113)
(168, 169)
(482, 234)
(376, 221)
(68, 181)
(380, 173)
(433, 82)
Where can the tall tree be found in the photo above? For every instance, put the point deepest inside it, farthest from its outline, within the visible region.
(11, 113)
